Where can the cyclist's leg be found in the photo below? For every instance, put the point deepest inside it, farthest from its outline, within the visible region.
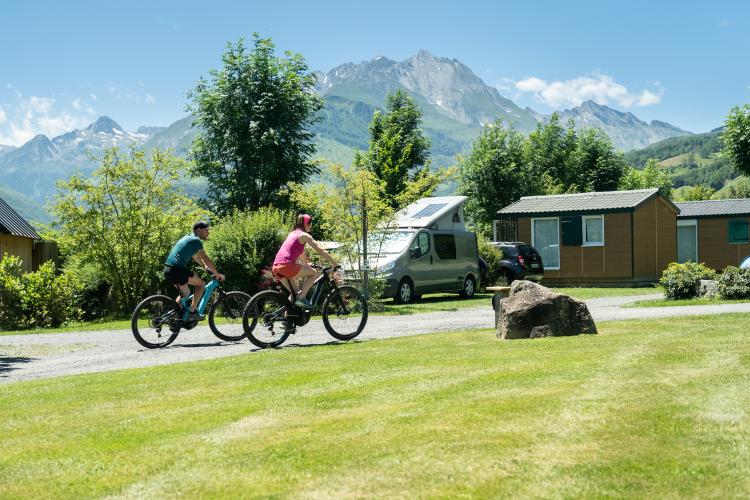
(309, 274)
(199, 286)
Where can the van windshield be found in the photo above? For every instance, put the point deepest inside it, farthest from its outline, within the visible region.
(389, 242)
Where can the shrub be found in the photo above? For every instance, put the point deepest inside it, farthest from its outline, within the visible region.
(93, 295)
(680, 281)
(41, 299)
(734, 283)
(242, 244)
(492, 255)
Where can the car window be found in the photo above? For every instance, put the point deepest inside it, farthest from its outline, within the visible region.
(509, 251)
(422, 242)
(525, 250)
(445, 246)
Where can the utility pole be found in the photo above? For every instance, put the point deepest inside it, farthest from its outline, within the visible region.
(365, 263)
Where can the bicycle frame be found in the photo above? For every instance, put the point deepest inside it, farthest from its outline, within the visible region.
(185, 301)
(317, 291)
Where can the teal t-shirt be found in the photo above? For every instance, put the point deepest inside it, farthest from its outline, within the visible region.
(184, 250)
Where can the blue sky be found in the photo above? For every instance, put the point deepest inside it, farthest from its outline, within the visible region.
(65, 63)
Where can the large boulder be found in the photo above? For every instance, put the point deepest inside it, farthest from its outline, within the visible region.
(533, 311)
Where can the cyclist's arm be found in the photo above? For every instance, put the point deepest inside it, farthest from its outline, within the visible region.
(306, 238)
(202, 258)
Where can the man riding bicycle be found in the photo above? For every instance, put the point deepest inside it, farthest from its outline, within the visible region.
(286, 263)
(176, 271)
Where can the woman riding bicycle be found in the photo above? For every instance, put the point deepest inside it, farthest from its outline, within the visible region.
(292, 263)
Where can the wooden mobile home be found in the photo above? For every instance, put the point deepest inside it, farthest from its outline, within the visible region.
(714, 232)
(614, 238)
(17, 237)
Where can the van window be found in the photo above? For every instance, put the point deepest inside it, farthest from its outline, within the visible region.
(421, 242)
(445, 246)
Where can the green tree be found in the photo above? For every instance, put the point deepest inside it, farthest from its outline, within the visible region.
(596, 165)
(550, 151)
(697, 193)
(736, 138)
(124, 218)
(254, 115)
(494, 174)
(399, 152)
(650, 176)
(739, 188)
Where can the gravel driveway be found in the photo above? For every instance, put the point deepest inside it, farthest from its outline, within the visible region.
(27, 357)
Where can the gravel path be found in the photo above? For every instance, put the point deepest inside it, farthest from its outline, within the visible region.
(27, 357)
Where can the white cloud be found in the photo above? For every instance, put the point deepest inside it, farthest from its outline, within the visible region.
(93, 97)
(35, 115)
(150, 99)
(602, 89)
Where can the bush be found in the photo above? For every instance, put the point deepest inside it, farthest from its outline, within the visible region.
(242, 244)
(492, 255)
(734, 283)
(93, 296)
(42, 299)
(680, 281)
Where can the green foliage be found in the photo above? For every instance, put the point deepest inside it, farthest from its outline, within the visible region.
(124, 218)
(254, 115)
(650, 176)
(736, 138)
(493, 175)
(734, 283)
(492, 255)
(738, 188)
(697, 193)
(680, 281)
(92, 297)
(398, 151)
(245, 243)
(42, 299)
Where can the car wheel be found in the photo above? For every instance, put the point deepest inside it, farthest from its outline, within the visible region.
(470, 287)
(405, 292)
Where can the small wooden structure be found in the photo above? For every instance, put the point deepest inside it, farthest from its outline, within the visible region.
(500, 292)
(714, 232)
(613, 238)
(18, 238)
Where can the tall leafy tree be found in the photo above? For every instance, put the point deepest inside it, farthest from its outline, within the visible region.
(255, 115)
(550, 153)
(736, 138)
(650, 176)
(596, 164)
(399, 151)
(494, 174)
(124, 218)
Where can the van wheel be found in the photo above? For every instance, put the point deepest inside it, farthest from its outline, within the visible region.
(470, 286)
(405, 292)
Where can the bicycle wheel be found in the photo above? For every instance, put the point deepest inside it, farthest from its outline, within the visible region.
(227, 312)
(264, 321)
(156, 321)
(345, 313)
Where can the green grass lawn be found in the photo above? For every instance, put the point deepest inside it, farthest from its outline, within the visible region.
(653, 408)
(683, 302)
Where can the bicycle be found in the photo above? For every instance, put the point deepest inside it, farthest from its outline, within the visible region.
(270, 317)
(157, 320)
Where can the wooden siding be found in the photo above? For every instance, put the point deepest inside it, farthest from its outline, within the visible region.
(19, 246)
(611, 262)
(714, 248)
(655, 238)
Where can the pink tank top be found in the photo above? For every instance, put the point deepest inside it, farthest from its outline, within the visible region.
(291, 249)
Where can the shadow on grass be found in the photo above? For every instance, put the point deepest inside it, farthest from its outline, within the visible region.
(10, 363)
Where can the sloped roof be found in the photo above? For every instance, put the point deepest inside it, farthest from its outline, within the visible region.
(425, 211)
(713, 208)
(12, 223)
(597, 201)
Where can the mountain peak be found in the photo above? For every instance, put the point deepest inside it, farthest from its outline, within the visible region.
(104, 124)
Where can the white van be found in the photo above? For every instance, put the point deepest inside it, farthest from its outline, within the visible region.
(430, 250)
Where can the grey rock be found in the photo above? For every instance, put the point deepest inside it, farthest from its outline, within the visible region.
(535, 311)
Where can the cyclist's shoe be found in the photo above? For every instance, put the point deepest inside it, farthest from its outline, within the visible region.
(194, 316)
(303, 304)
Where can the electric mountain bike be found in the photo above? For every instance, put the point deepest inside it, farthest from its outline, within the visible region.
(270, 317)
(158, 319)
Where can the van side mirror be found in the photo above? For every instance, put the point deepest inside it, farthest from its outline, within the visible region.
(415, 252)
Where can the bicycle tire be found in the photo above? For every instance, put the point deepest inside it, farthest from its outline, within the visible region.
(146, 321)
(261, 318)
(229, 306)
(355, 304)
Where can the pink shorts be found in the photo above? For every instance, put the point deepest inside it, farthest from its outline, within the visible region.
(288, 270)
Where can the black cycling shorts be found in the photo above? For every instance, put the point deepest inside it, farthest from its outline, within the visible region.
(177, 275)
